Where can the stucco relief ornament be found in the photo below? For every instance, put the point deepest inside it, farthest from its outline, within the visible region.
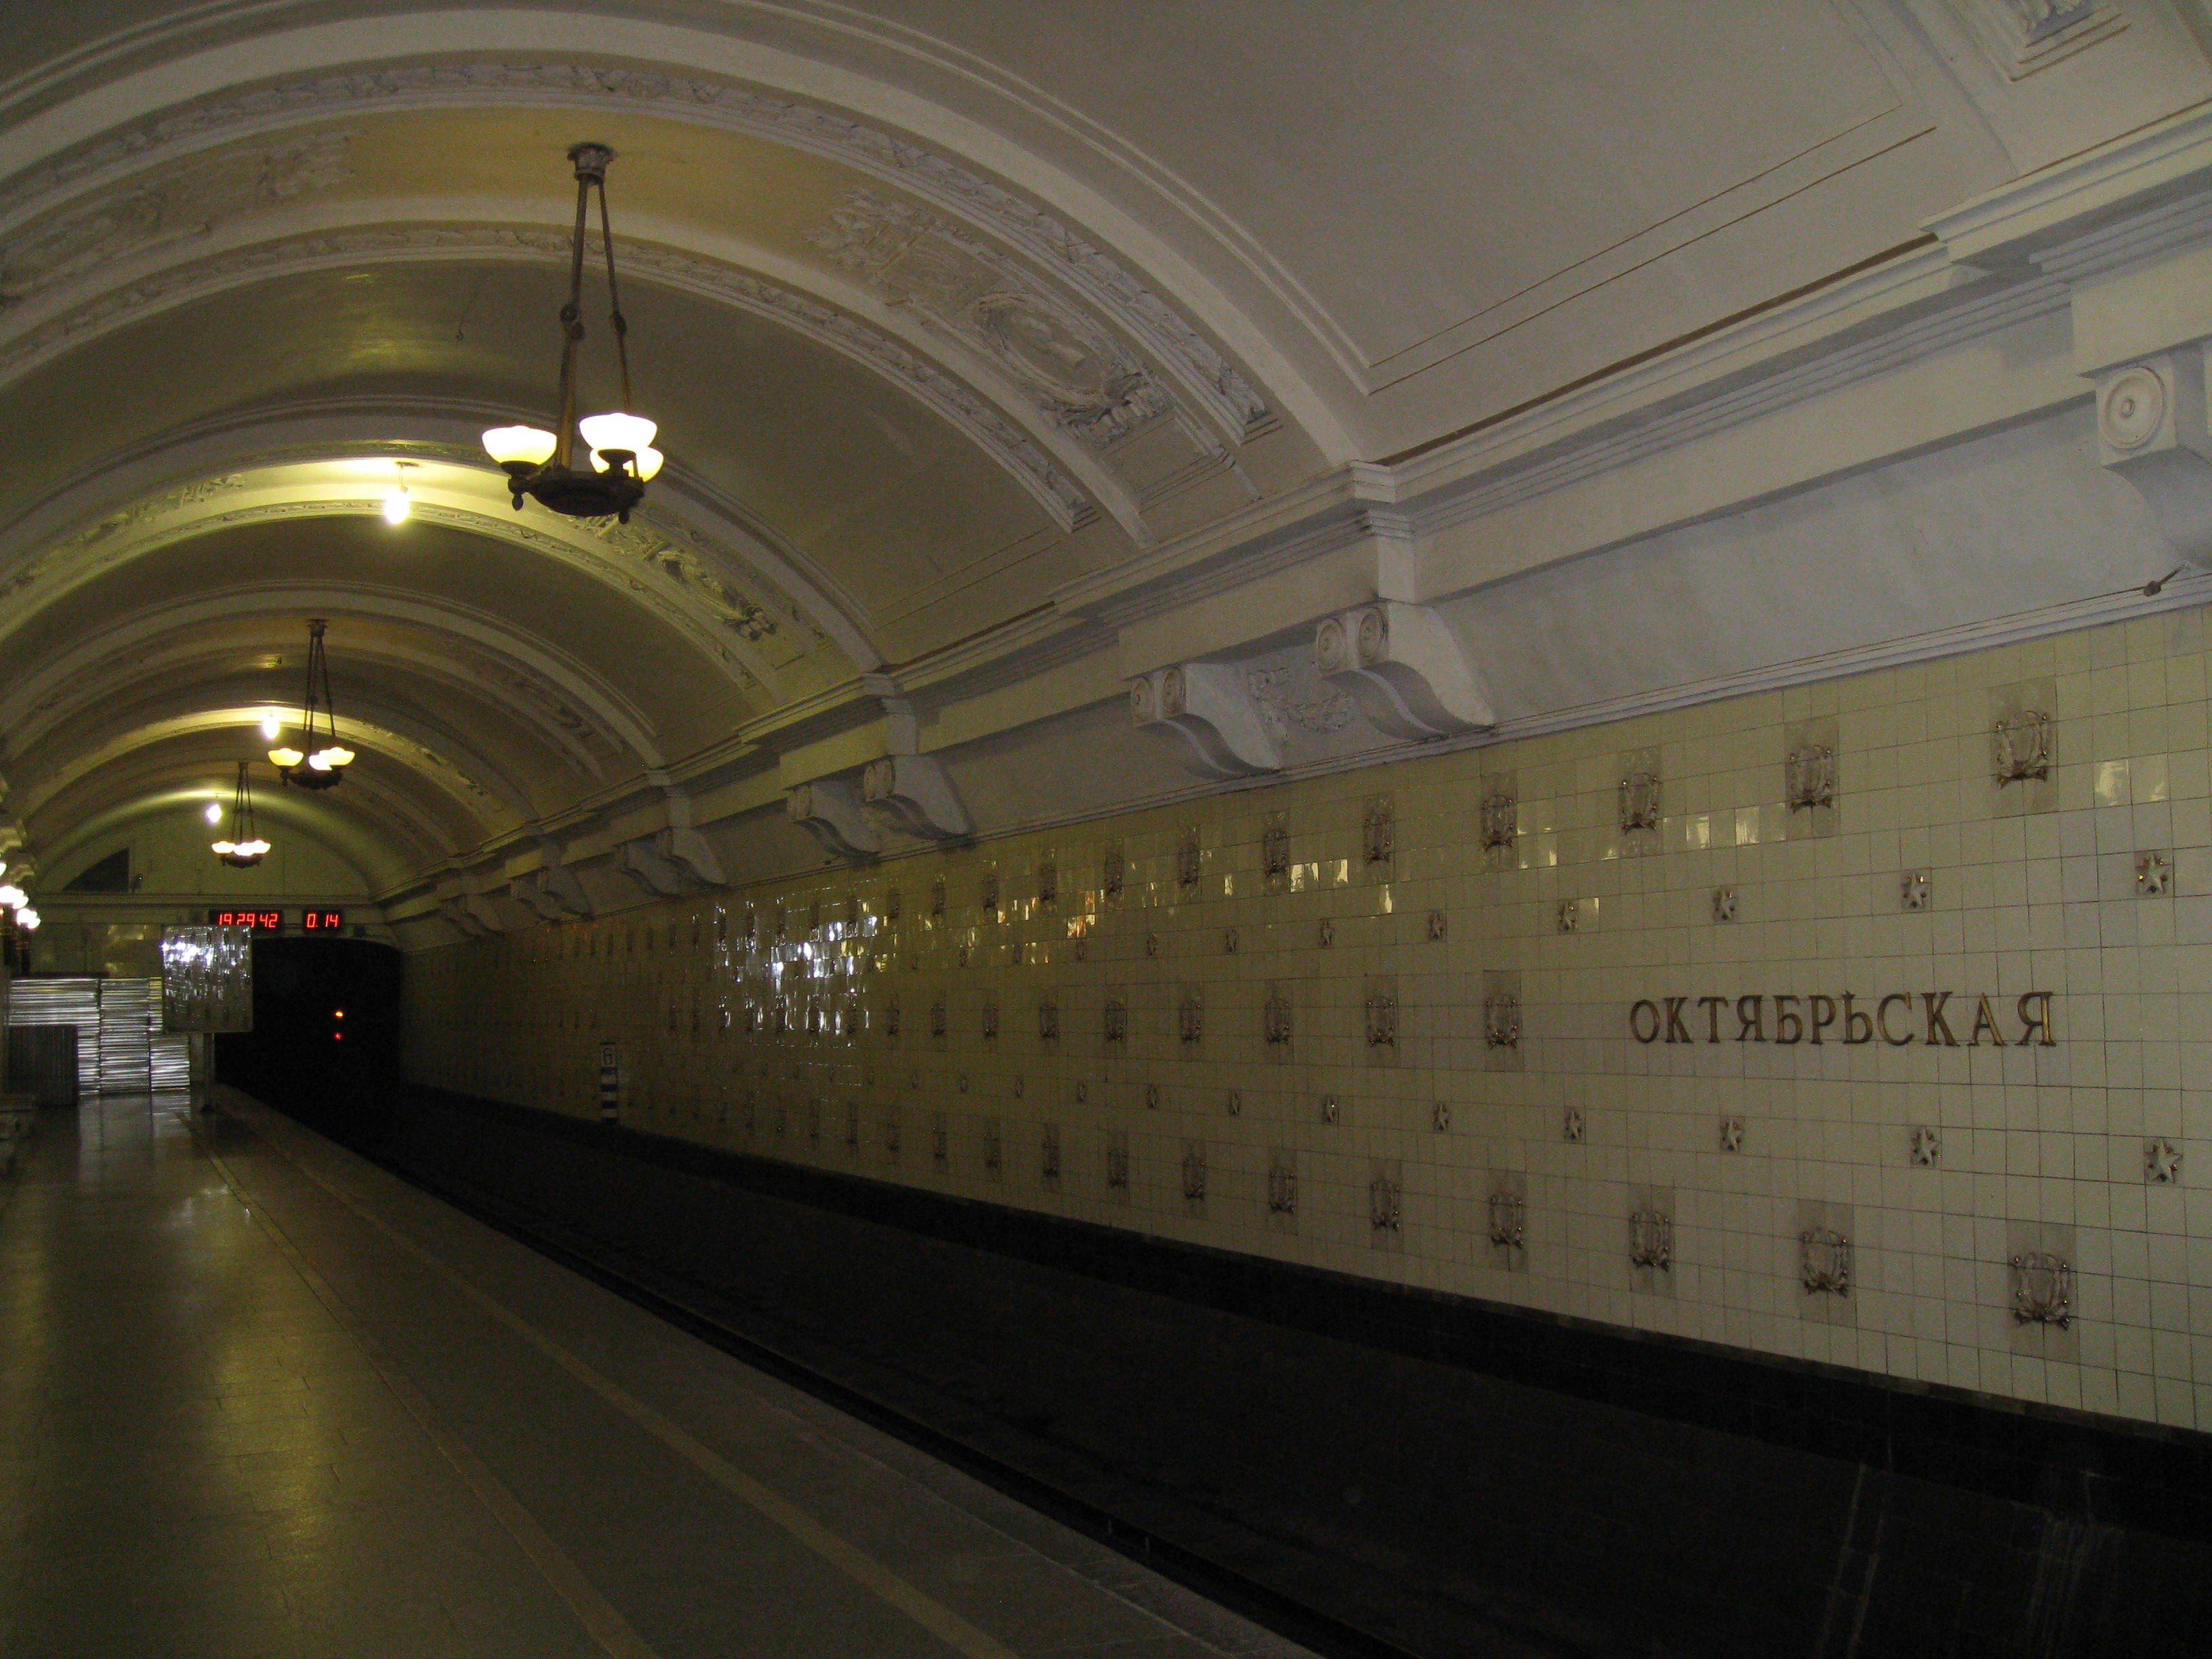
(1327, 712)
(183, 202)
(1386, 1209)
(1639, 801)
(1809, 777)
(1651, 1240)
(1383, 1021)
(1189, 861)
(1275, 857)
(1071, 365)
(1190, 1019)
(1282, 1187)
(1378, 834)
(1501, 821)
(2042, 1289)
(1194, 1176)
(2022, 743)
(1824, 1261)
(1501, 1020)
(2161, 1162)
(2154, 874)
(1275, 1020)
(1509, 1226)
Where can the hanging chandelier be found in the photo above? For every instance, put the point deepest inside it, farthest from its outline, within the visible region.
(619, 454)
(249, 849)
(311, 766)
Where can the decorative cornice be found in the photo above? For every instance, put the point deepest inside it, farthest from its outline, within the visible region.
(1634, 437)
(2060, 203)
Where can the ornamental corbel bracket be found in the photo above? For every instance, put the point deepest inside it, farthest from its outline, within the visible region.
(2152, 431)
(827, 809)
(530, 891)
(655, 876)
(1205, 713)
(915, 794)
(1404, 668)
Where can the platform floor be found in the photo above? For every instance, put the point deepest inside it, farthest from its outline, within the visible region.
(260, 1400)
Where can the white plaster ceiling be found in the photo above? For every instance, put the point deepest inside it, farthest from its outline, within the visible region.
(945, 308)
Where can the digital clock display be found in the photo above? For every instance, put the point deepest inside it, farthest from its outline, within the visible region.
(258, 921)
(322, 921)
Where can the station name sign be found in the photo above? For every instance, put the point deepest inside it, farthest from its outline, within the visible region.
(1898, 1019)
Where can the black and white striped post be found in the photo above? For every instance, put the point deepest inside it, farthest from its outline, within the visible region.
(609, 1084)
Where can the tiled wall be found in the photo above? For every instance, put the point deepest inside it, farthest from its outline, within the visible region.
(1516, 1094)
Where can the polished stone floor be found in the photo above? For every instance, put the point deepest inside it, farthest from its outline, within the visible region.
(259, 1398)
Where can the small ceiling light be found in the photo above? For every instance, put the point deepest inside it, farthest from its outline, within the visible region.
(319, 765)
(618, 445)
(214, 812)
(28, 920)
(14, 897)
(272, 727)
(397, 503)
(249, 849)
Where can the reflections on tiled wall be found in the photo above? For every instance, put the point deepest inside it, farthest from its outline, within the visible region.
(1381, 1022)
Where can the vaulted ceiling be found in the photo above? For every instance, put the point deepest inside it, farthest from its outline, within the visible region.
(945, 308)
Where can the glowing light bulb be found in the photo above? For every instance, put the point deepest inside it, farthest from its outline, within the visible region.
(520, 446)
(319, 761)
(28, 920)
(270, 726)
(214, 812)
(13, 896)
(632, 433)
(336, 756)
(222, 849)
(397, 505)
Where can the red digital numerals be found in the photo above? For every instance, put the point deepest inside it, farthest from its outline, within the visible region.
(260, 921)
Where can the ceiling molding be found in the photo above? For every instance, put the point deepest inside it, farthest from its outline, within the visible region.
(545, 664)
(749, 583)
(185, 512)
(1216, 389)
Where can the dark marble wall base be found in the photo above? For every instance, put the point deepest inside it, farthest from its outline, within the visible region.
(1426, 1474)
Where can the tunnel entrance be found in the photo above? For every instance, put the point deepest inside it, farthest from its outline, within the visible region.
(324, 1044)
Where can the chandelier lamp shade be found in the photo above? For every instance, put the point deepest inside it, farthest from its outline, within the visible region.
(618, 458)
(317, 760)
(249, 849)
